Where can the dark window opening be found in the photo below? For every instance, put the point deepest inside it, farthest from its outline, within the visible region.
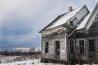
(81, 46)
(91, 45)
(57, 47)
(71, 46)
(71, 22)
(46, 47)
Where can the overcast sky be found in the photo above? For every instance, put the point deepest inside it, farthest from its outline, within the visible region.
(21, 20)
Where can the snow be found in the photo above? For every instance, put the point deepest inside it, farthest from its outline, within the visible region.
(22, 60)
(29, 62)
(35, 62)
(67, 16)
(64, 18)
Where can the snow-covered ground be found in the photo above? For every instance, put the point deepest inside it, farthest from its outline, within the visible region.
(24, 60)
(34, 62)
(10, 59)
(29, 62)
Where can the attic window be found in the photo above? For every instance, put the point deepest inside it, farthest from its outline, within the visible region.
(71, 22)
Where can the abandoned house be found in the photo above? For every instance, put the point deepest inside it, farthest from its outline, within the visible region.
(72, 36)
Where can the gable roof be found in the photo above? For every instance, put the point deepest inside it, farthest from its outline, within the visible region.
(52, 22)
(62, 19)
(88, 20)
(84, 22)
(91, 17)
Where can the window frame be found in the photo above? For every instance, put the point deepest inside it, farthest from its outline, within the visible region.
(71, 46)
(81, 46)
(57, 45)
(78, 46)
(90, 49)
(46, 47)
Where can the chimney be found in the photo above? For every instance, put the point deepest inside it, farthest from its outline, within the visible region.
(70, 8)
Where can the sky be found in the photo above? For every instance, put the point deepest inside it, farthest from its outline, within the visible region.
(21, 20)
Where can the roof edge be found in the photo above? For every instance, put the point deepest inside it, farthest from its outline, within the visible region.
(51, 22)
(58, 17)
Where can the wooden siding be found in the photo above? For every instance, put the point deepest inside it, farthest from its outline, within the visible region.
(51, 53)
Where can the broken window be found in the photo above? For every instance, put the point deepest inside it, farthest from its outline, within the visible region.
(46, 47)
(81, 46)
(71, 46)
(91, 45)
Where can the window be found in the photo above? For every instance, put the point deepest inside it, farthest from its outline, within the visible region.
(91, 45)
(71, 22)
(57, 47)
(46, 47)
(71, 46)
(81, 46)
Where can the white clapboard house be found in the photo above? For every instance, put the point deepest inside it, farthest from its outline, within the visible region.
(71, 37)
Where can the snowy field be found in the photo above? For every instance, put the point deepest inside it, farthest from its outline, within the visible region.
(30, 62)
(22, 60)
(34, 62)
(10, 59)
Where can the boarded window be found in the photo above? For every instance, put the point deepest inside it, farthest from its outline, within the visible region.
(71, 46)
(91, 45)
(46, 47)
(81, 46)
